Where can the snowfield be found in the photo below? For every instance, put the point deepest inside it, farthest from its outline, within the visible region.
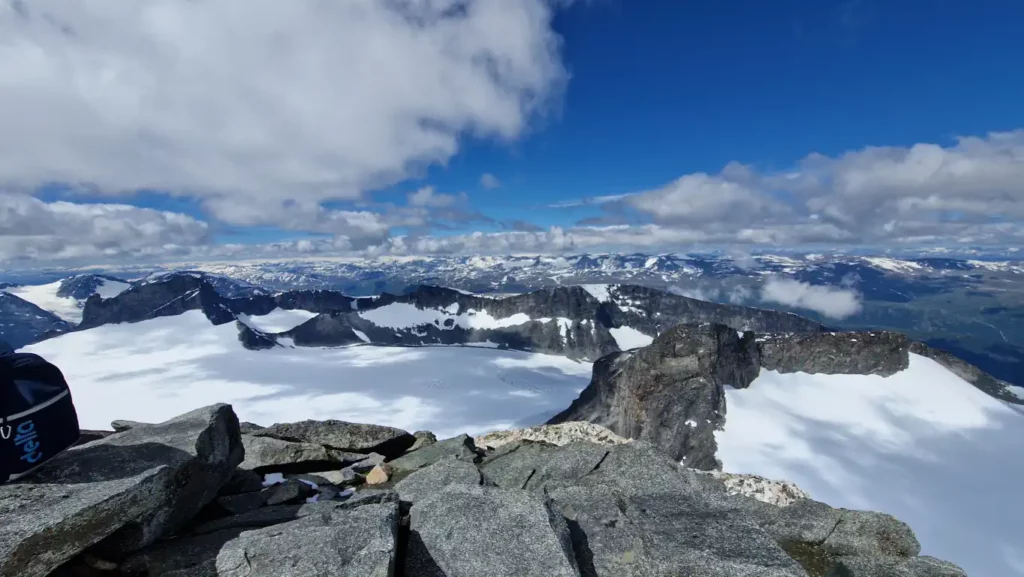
(630, 338)
(922, 445)
(277, 320)
(45, 297)
(160, 368)
(67, 308)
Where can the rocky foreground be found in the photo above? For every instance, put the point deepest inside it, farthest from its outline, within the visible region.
(202, 495)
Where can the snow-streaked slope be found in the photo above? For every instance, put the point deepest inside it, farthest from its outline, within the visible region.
(277, 320)
(922, 445)
(405, 316)
(598, 291)
(67, 308)
(159, 368)
(45, 297)
(630, 338)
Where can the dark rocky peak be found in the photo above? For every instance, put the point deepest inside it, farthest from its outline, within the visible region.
(171, 295)
(318, 301)
(227, 287)
(84, 286)
(651, 311)
(870, 353)
(253, 339)
(671, 392)
(586, 263)
(23, 323)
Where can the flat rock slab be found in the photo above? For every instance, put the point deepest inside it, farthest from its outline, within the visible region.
(429, 480)
(460, 447)
(131, 489)
(267, 516)
(618, 534)
(264, 454)
(343, 436)
(472, 531)
(356, 542)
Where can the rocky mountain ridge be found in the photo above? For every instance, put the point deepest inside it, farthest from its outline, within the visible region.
(672, 393)
(202, 495)
(578, 322)
(22, 322)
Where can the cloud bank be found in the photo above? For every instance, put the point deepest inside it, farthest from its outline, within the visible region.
(290, 115)
(832, 302)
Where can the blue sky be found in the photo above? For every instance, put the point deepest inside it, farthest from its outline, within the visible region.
(613, 98)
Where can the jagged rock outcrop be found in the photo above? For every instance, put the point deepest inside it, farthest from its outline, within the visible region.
(127, 490)
(129, 505)
(670, 393)
(253, 339)
(870, 353)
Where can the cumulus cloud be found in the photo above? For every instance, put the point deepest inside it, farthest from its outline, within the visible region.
(34, 230)
(489, 181)
(703, 199)
(832, 302)
(259, 102)
(427, 196)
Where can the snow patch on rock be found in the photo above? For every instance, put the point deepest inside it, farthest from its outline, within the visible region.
(630, 338)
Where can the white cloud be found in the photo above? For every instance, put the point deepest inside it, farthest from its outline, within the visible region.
(832, 302)
(259, 102)
(489, 181)
(428, 197)
(707, 200)
(34, 230)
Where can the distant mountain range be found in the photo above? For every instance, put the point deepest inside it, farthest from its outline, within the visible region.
(972, 308)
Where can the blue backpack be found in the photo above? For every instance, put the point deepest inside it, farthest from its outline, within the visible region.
(37, 417)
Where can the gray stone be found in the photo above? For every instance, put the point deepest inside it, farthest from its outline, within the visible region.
(243, 503)
(423, 439)
(291, 491)
(268, 516)
(265, 454)
(429, 480)
(122, 425)
(242, 481)
(671, 392)
(460, 447)
(871, 533)
(343, 477)
(894, 567)
(130, 489)
(343, 436)
(472, 531)
(512, 465)
(249, 428)
(622, 534)
(368, 463)
(359, 542)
